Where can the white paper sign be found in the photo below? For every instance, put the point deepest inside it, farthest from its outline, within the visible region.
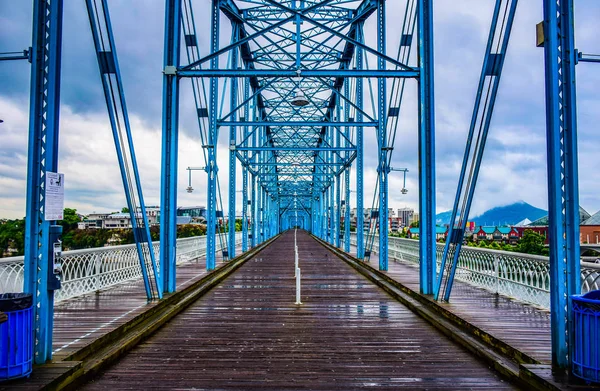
(55, 196)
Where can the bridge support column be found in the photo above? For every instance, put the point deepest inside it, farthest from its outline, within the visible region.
(563, 190)
(211, 168)
(427, 242)
(232, 144)
(360, 238)
(347, 173)
(245, 169)
(42, 158)
(383, 147)
(170, 136)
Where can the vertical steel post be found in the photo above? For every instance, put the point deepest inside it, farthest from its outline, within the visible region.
(338, 181)
(42, 157)
(253, 212)
(563, 191)
(245, 169)
(170, 136)
(211, 167)
(382, 135)
(347, 170)
(232, 144)
(427, 243)
(360, 240)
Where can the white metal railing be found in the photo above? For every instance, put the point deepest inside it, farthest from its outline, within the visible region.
(90, 270)
(519, 276)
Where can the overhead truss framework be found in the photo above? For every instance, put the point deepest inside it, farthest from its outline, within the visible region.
(293, 74)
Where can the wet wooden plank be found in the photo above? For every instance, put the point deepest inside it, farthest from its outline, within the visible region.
(247, 333)
(522, 326)
(83, 319)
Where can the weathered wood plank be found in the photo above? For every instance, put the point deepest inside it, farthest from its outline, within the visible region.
(248, 334)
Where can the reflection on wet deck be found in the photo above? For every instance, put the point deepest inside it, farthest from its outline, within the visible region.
(81, 320)
(520, 325)
(247, 334)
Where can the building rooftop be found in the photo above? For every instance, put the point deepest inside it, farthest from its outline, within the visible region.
(592, 220)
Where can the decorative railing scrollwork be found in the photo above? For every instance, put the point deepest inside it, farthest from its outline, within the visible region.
(522, 277)
(91, 270)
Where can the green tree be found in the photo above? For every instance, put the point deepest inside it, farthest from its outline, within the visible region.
(531, 243)
(124, 209)
(12, 237)
(414, 224)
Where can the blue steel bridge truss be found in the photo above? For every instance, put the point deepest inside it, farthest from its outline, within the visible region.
(289, 91)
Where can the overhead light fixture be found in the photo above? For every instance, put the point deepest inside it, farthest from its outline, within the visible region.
(299, 99)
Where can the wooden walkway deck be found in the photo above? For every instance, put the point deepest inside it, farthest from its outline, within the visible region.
(83, 319)
(248, 334)
(522, 326)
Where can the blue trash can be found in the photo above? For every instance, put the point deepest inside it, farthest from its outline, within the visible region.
(586, 322)
(16, 335)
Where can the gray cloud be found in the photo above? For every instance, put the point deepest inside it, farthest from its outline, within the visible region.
(514, 166)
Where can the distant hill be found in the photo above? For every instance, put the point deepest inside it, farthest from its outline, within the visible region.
(501, 215)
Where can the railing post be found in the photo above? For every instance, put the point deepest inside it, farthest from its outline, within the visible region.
(97, 269)
(497, 273)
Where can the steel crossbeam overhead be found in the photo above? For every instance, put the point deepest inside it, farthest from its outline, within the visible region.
(297, 128)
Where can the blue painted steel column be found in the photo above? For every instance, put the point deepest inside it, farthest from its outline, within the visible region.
(563, 191)
(383, 147)
(245, 170)
(259, 206)
(170, 135)
(232, 144)
(263, 214)
(253, 212)
(427, 244)
(211, 168)
(338, 182)
(347, 170)
(42, 157)
(360, 239)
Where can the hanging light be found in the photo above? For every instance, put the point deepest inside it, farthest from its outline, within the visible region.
(299, 99)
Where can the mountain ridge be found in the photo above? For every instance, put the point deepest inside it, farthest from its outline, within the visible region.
(500, 215)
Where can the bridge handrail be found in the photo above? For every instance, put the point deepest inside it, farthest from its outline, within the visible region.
(523, 277)
(93, 269)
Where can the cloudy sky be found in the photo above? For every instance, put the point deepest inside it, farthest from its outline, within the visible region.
(514, 166)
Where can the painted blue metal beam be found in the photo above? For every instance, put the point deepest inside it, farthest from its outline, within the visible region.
(22, 55)
(170, 136)
(291, 73)
(212, 168)
(383, 169)
(297, 123)
(489, 82)
(563, 187)
(232, 142)
(360, 245)
(246, 132)
(427, 242)
(114, 94)
(42, 158)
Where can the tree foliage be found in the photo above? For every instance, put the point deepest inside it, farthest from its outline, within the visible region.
(532, 243)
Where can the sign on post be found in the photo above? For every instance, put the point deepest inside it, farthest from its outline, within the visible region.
(54, 200)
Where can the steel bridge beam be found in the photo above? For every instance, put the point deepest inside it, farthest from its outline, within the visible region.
(563, 191)
(427, 240)
(170, 137)
(270, 73)
(212, 168)
(42, 158)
